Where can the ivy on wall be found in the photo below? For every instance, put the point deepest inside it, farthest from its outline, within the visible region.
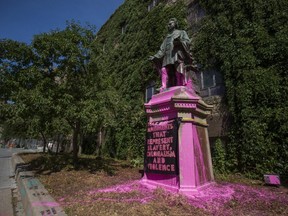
(247, 42)
(122, 48)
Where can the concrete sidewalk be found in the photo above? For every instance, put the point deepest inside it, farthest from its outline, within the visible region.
(18, 185)
(7, 183)
(34, 197)
(6, 208)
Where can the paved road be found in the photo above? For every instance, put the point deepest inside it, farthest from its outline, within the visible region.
(7, 183)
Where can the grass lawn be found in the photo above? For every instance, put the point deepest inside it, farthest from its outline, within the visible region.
(101, 186)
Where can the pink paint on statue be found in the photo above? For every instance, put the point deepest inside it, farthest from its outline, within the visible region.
(200, 166)
(193, 172)
(153, 180)
(189, 84)
(164, 78)
(186, 158)
(180, 79)
(173, 92)
(161, 155)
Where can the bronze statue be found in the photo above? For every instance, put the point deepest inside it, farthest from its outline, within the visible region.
(175, 57)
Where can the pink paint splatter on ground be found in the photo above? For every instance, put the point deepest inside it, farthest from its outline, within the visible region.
(123, 188)
(143, 195)
(214, 196)
(211, 199)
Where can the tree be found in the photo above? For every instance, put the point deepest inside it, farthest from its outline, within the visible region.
(16, 60)
(29, 83)
(51, 84)
(65, 56)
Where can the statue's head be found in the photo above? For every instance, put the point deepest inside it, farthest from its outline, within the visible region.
(173, 24)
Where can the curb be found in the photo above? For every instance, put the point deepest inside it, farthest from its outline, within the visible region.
(35, 198)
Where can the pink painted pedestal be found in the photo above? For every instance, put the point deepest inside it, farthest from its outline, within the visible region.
(194, 157)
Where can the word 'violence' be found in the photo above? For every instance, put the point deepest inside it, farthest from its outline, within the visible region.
(162, 167)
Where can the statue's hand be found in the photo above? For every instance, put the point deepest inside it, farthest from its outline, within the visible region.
(151, 58)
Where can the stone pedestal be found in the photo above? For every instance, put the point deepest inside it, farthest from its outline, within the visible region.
(192, 170)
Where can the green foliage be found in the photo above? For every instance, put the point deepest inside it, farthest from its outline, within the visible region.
(54, 92)
(219, 158)
(248, 42)
(18, 79)
(66, 55)
(137, 162)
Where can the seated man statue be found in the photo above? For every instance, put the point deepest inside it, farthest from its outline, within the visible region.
(175, 57)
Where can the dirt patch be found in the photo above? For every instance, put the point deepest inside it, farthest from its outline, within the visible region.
(102, 186)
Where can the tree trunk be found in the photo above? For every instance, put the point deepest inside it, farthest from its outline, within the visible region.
(44, 142)
(101, 141)
(80, 144)
(76, 131)
(58, 144)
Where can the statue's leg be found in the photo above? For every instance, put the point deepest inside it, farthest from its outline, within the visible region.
(180, 80)
(164, 78)
(180, 74)
(171, 76)
(188, 82)
(191, 81)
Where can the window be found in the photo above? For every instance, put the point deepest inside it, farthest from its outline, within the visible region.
(195, 14)
(211, 83)
(150, 91)
(152, 4)
(123, 27)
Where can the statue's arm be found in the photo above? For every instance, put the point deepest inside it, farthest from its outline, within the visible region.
(160, 54)
(185, 36)
(185, 42)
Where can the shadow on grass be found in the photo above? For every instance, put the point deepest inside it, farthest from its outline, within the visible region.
(43, 163)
